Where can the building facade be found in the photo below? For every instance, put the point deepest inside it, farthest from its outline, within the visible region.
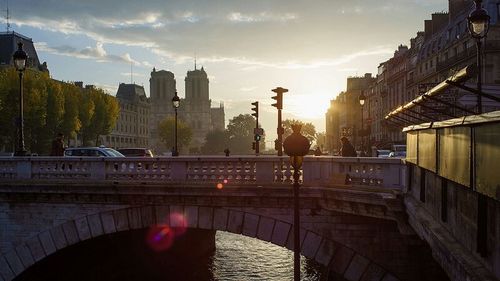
(132, 126)
(344, 116)
(443, 48)
(195, 109)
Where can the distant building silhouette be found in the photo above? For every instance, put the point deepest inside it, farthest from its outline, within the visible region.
(8, 45)
(195, 109)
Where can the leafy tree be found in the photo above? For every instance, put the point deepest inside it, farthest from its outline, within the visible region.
(9, 107)
(70, 122)
(85, 113)
(55, 110)
(240, 132)
(50, 107)
(321, 140)
(308, 129)
(166, 129)
(215, 142)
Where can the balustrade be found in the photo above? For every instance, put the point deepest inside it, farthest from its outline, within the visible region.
(260, 170)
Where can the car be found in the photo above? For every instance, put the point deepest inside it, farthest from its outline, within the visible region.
(397, 154)
(136, 152)
(382, 153)
(91, 151)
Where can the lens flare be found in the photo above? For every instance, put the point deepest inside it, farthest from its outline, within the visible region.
(219, 185)
(178, 223)
(160, 238)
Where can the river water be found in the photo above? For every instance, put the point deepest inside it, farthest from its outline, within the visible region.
(241, 258)
(125, 256)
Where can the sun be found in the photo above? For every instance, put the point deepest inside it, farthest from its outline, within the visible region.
(310, 106)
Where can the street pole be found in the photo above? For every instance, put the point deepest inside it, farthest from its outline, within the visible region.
(296, 226)
(21, 151)
(479, 76)
(280, 134)
(362, 134)
(176, 152)
(257, 148)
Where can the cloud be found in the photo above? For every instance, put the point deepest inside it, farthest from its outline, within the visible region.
(97, 53)
(223, 31)
(260, 17)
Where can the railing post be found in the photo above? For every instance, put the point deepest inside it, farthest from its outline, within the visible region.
(24, 169)
(98, 169)
(264, 171)
(178, 170)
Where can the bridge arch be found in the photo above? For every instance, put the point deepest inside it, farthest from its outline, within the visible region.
(336, 257)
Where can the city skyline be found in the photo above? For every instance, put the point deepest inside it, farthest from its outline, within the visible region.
(235, 42)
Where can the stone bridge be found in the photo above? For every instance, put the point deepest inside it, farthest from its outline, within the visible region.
(353, 218)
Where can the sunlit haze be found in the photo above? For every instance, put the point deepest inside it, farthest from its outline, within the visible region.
(246, 47)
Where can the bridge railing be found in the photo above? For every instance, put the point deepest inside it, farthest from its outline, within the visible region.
(323, 170)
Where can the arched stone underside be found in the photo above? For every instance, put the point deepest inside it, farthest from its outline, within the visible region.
(338, 258)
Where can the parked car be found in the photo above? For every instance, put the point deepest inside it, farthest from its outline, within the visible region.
(92, 151)
(397, 154)
(383, 153)
(136, 152)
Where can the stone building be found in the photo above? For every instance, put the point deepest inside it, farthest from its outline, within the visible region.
(195, 109)
(8, 45)
(344, 116)
(132, 126)
(444, 47)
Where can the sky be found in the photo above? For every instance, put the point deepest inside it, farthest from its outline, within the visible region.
(246, 47)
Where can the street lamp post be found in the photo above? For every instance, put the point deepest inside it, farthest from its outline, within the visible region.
(296, 146)
(20, 57)
(362, 100)
(479, 24)
(176, 102)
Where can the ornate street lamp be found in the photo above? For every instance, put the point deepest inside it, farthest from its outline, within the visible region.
(479, 24)
(362, 100)
(20, 57)
(296, 146)
(176, 102)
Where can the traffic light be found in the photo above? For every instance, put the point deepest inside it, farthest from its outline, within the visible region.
(256, 109)
(279, 101)
(279, 97)
(277, 144)
(257, 137)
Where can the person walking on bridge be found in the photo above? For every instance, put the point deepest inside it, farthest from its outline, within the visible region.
(58, 146)
(347, 150)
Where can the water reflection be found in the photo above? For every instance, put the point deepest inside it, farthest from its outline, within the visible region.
(126, 256)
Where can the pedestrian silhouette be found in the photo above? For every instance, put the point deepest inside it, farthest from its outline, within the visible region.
(347, 150)
(226, 151)
(58, 146)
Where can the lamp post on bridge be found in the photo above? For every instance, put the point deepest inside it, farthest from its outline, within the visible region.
(20, 57)
(296, 146)
(479, 24)
(362, 100)
(176, 102)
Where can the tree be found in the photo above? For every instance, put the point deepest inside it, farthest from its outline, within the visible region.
(166, 129)
(240, 133)
(215, 142)
(308, 129)
(70, 123)
(85, 113)
(321, 140)
(55, 110)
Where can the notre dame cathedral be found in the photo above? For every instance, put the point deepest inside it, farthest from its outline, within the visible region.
(195, 109)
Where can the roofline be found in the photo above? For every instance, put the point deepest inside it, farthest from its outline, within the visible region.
(17, 34)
